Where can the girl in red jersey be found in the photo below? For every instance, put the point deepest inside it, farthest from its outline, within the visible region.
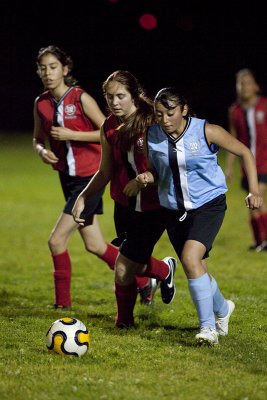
(248, 122)
(139, 216)
(69, 119)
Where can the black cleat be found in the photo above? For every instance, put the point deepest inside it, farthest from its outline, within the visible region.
(147, 293)
(167, 286)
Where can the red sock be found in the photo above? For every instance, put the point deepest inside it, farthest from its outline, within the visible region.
(62, 278)
(257, 229)
(157, 269)
(142, 281)
(126, 298)
(110, 255)
(263, 219)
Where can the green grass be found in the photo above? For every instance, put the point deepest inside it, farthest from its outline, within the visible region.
(159, 359)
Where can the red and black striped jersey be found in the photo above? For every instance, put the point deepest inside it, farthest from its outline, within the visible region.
(126, 166)
(76, 158)
(251, 129)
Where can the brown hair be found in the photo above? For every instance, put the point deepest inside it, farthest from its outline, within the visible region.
(138, 122)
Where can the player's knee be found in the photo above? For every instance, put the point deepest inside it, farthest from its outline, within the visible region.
(54, 242)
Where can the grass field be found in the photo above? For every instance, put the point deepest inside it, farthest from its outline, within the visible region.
(159, 359)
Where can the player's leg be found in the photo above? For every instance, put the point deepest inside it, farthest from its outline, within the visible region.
(262, 213)
(95, 243)
(57, 243)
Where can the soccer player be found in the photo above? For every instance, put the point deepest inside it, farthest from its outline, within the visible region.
(69, 119)
(248, 123)
(183, 161)
(137, 213)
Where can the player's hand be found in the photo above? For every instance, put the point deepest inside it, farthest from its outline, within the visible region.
(132, 188)
(61, 133)
(77, 210)
(142, 180)
(48, 156)
(253, 201)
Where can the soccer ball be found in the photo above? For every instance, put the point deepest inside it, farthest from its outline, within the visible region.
(68, 336)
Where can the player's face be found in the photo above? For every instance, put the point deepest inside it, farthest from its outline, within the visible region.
(246, 87)
(171, 120)
(119, 100)
(51, 71)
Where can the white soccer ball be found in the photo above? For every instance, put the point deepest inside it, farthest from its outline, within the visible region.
(68, 336)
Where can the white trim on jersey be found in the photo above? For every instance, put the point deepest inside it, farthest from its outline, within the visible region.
(130, 156)
(252, 129)
(70, 157)
(183, 174)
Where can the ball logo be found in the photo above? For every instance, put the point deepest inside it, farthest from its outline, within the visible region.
(70, 109)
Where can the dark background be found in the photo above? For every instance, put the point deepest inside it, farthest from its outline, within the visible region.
(197, 46)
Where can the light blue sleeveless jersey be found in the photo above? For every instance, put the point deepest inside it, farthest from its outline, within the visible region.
(188, 170)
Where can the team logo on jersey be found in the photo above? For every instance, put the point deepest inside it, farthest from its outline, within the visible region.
(260, 116)
(70, 109)
(194, 147)
(140, 144)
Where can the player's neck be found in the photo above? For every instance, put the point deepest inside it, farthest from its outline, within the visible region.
(247, 103)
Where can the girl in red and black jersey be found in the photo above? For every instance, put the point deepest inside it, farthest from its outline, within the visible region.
(139, 219)
(69, 119)
(248, 122)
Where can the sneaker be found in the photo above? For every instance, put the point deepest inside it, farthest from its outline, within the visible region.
(208, 336)
(261, 247)
(122, 325)
(167, 286)
(60, 307)
(222, 323)
(147, 293)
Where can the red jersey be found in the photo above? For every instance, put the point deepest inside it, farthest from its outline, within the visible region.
(251, 128)
(126, 166)
(76, 158)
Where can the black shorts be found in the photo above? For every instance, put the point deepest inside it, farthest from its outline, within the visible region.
(244, 182)
(201, 224)
(72, 187)
(143, 232)
(123, 219)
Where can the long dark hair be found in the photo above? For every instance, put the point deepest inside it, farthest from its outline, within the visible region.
(137, 123)
(64, 59)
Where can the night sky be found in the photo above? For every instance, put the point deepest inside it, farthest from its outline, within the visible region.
(195, 47)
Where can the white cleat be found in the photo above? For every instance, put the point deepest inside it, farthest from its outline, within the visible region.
(207, 336)
(222, 323)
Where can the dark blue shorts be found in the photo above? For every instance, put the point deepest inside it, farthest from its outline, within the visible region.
(142, 230)
(201, 224)
(72, 187)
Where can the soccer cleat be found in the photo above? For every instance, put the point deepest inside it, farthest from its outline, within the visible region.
(261, 247)
(122, 325)
(167, 286)
(222, 323)
(207, 336)
(60, 307)
(148, 292)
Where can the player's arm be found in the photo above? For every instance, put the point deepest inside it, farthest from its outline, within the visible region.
(230, 158)
(99, 180)
(93, 112)
(46, 155)
(219, 136)
(149, 177)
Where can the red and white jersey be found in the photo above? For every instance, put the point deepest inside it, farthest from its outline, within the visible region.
(126, 166)
(76, 158)
(251, 128)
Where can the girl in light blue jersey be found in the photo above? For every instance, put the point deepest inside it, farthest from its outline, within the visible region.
(182, 151)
